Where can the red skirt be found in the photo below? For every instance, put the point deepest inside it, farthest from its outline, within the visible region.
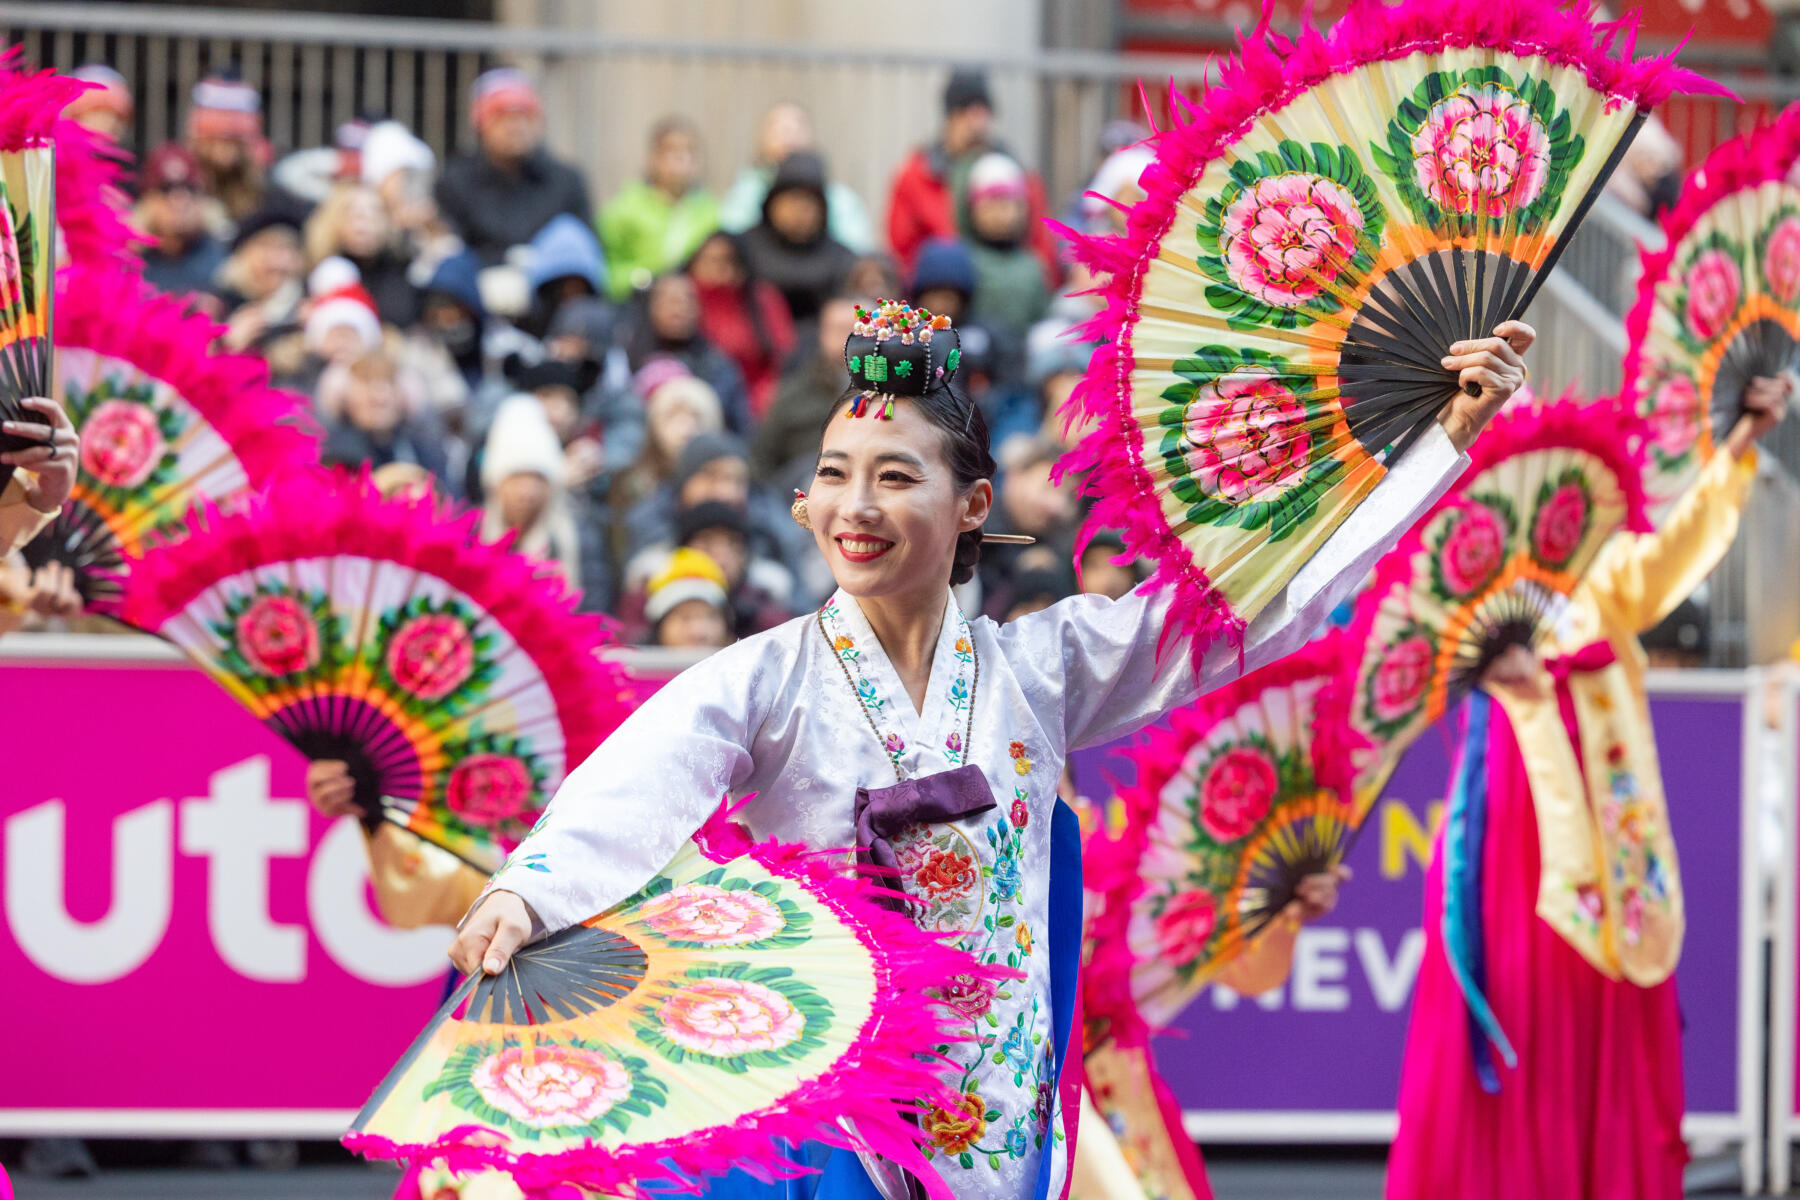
(1593, 1109)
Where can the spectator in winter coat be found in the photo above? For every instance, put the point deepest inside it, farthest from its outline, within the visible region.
(1010, 293)
(182, 256)
(565, 264)
(787, 129)
(352, 223)
(666, 324)
(791, 247)
(687, 606)
(760, 590)
(742, 315)
(364, 407)
(262, 288)
(656, 222)
(787, 441)
(923, 202)
(225, 134)
(560, 387)
(107, 109)
(677, 408)
(522, 479)
(504, 193)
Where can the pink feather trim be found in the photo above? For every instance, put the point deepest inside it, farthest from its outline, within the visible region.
(1605, 429)
(318, 514)
(90, 200)
(885, 1078)
(113, 312)
(1746, 161)
(1113, 864)
(1268, 71)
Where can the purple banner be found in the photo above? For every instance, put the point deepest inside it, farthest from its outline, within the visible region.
(1330, 1040)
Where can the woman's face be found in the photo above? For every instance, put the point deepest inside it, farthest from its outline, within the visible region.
(673, 424)
(674, 309)
(271, 258)
(522, 496)
(884, 504)
(715, 266)
(373, 404)
(797, 215)
(364, 230)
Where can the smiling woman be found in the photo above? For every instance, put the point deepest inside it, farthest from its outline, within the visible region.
(930, 742)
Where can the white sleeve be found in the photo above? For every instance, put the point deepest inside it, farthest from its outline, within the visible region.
(1103, 664)
(622, 815)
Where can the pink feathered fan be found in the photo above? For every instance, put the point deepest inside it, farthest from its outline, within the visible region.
(1317, 232)
(452, 675)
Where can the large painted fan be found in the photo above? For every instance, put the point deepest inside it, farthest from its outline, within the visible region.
(1334, 214)
(1245, 794)
(745, 996)
(1492, 565)
(164, 423)
(452, 675)
(1719, 305)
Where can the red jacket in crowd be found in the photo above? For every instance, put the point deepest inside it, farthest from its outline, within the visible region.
(922, 206)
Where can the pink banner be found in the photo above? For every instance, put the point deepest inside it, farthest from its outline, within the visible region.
(183, 935)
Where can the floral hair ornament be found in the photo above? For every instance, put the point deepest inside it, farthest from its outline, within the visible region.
(896, 350)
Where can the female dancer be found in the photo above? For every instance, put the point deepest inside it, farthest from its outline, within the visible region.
(890, 721)
(1580, 919)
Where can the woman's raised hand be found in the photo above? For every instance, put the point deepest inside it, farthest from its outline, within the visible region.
(497, 927)
(1494, 365)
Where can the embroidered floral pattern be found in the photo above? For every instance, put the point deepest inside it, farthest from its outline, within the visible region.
(938, 867)
(868, 694)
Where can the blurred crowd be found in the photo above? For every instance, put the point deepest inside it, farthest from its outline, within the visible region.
(632, 385)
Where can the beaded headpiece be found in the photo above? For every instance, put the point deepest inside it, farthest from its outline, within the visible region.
(897, 350)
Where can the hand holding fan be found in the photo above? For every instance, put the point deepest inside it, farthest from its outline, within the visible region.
(164, 423)
(1336, 213)
(745, 996)
(1243, 796)
(1490, 566)
(1719, 305)
(452, 675)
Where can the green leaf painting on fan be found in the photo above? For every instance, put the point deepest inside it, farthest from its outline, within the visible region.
(748, 993)
(1473, 152)
(736, 1017)
(271, 634)
(577, 1088)
(1241, 448)
(164, 422)
(719, 909)
(1280, 232)
(430, 656)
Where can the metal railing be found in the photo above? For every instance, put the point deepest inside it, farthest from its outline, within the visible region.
(316, 71)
